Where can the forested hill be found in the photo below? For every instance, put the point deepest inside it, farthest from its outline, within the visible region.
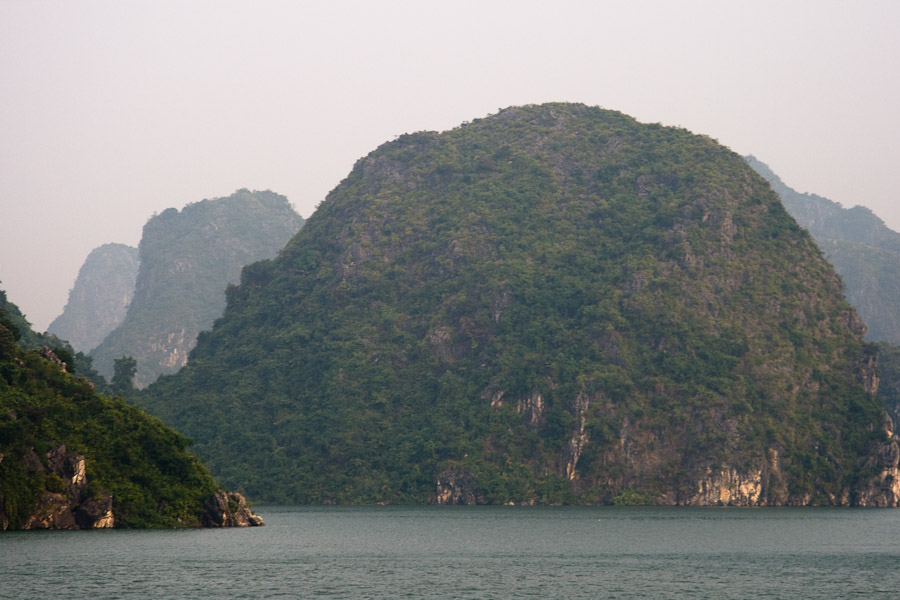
(100, 297)
(74, 459)
(863, 250)
(552, 304)
(187, 259)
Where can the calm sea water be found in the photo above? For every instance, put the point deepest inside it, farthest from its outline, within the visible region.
(474, 552)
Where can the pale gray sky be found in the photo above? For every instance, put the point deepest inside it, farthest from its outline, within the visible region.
(113, 110)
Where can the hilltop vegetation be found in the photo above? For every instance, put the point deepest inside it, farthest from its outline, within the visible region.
(186, 260)
(553, 304)
(28, 339)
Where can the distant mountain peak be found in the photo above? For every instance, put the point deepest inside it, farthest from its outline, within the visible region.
(100, 297)
(187, 258)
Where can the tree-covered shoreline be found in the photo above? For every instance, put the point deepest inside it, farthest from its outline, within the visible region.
(74, 458)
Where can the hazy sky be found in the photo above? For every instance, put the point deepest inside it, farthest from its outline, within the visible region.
(111, 111)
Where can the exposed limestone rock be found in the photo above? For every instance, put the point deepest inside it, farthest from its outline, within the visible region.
(53, 511)
(579, 436)
(766, 486)
(68, 465)
(50, 355)
(70, 507)
(455, 486)
(777, 489)
(229, 509)
(533, 405)
(729, 488)
(96, 513)
(867, 372)
(883, 489)
(174, 348)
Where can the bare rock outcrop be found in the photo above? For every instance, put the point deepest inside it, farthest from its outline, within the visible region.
(229, 509)
(50, 355)
(455, 486)
(66, 503)
(882, 488)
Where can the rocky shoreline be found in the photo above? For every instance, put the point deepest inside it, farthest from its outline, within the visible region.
(69, 503)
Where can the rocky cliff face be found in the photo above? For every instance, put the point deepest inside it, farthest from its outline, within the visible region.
(187, 259)
(882, 486)
(66, 502)
(100, 297)
(229, 509)
(455, 487)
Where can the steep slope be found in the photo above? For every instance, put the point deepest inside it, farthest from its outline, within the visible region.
(186, 260)
(552, 304)
(99, 298)
(889, 381)
(863, 250)
(72, 459)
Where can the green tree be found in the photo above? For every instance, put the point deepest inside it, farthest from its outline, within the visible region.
(124, 369)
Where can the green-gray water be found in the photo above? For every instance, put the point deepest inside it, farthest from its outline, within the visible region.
(474, 552)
